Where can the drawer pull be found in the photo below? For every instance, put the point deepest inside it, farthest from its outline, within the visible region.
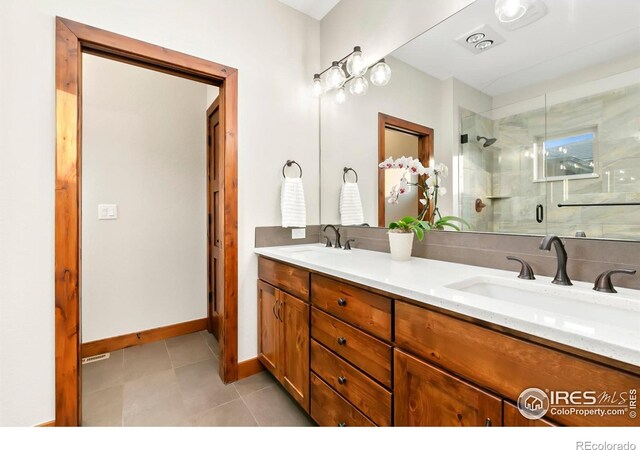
(342, 380)
(488, 423)
(342, 341)
(342, 302)
(342, 424)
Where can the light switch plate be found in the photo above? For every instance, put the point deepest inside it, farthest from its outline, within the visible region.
(107, 212)
(298, 233)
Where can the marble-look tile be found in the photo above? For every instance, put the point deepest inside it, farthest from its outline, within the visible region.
(103, 374)
(188, 349)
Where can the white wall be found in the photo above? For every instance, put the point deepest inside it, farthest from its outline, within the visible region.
(144, 149)
(276, 50)
(350, 133)
(380, 26)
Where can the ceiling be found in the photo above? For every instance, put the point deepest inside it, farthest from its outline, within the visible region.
(314, 8)
(573, 35)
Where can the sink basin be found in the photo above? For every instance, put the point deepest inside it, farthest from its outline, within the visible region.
(317, 250)
(570, 307)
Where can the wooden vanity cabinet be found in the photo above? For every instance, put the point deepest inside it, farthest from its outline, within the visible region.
(352, 356)
(426, 396)
(511, 417)
(283, 340)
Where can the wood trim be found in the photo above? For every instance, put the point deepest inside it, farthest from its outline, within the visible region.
(142, 337)
(72, 38)
(228, 331)
(67, 226)
(425, 152)
(249, 367)
(153, 56)
(51, 423)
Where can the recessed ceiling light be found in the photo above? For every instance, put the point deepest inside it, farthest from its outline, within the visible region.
(484, 44)
(475, 37)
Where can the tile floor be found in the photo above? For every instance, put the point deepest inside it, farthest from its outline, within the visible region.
(175, 382)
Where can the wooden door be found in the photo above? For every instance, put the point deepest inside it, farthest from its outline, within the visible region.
(215, 213)
(269, 327)
(294, 344)
(513, 418)
(428, 396)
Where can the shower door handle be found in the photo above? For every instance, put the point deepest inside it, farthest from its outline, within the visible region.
(539, 213)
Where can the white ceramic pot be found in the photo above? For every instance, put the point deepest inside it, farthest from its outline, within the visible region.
(401, 244)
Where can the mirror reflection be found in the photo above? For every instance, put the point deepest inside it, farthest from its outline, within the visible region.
(537, 116)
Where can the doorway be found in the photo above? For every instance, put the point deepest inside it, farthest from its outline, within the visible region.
(396, 138)
(72, 41)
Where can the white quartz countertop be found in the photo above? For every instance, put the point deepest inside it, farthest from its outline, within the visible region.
(577, 316)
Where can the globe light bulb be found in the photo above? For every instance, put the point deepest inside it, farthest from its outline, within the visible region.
(335, 76)
(380, 74)
(341, 96)
(355, 63)
(359, 86)
(316, 90)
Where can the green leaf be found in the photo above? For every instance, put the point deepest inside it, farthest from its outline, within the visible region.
(409, 220)
(419, 233)
(393, 225)
(449, 224)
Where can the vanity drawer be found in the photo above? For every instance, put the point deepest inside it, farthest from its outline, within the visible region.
(328, 409)
(291, 279)
(365, 352)
(507, 365)
(367, 395)
(365, 310)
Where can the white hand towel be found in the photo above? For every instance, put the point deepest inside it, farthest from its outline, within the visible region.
(351, 205)
(294, 213)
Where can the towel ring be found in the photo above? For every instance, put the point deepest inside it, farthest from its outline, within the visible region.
(289, 163)
(344, 173)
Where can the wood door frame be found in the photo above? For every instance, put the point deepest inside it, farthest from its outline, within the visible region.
(72, 39)
(425, 152)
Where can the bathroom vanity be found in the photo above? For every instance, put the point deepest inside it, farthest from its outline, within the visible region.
(359, 340)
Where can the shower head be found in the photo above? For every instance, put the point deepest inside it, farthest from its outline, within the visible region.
(488, 142)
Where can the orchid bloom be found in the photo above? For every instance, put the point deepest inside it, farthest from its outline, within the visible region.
(412, 166)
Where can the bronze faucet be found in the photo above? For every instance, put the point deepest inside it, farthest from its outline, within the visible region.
(561, 278)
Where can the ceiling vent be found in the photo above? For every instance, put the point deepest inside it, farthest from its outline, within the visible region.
(480, 40)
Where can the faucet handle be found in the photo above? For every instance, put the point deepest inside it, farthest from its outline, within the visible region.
(328, 244)
(526, 272)
(603, 282)
(347, 245)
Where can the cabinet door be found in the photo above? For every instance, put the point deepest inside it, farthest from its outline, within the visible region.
(513, 418)
(294, 345)
(268, 327)
(427, 396)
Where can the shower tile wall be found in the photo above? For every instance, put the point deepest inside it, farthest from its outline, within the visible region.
(502, 175)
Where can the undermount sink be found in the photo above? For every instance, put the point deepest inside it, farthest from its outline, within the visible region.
(569, 304)
(318, 250)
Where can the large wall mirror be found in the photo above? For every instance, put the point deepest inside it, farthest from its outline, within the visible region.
(534, 105)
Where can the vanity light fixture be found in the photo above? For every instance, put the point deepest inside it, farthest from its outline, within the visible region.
(341, 95)
(317, 86)
(350, 70)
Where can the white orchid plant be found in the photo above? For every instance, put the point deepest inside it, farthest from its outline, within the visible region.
(429, 179)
